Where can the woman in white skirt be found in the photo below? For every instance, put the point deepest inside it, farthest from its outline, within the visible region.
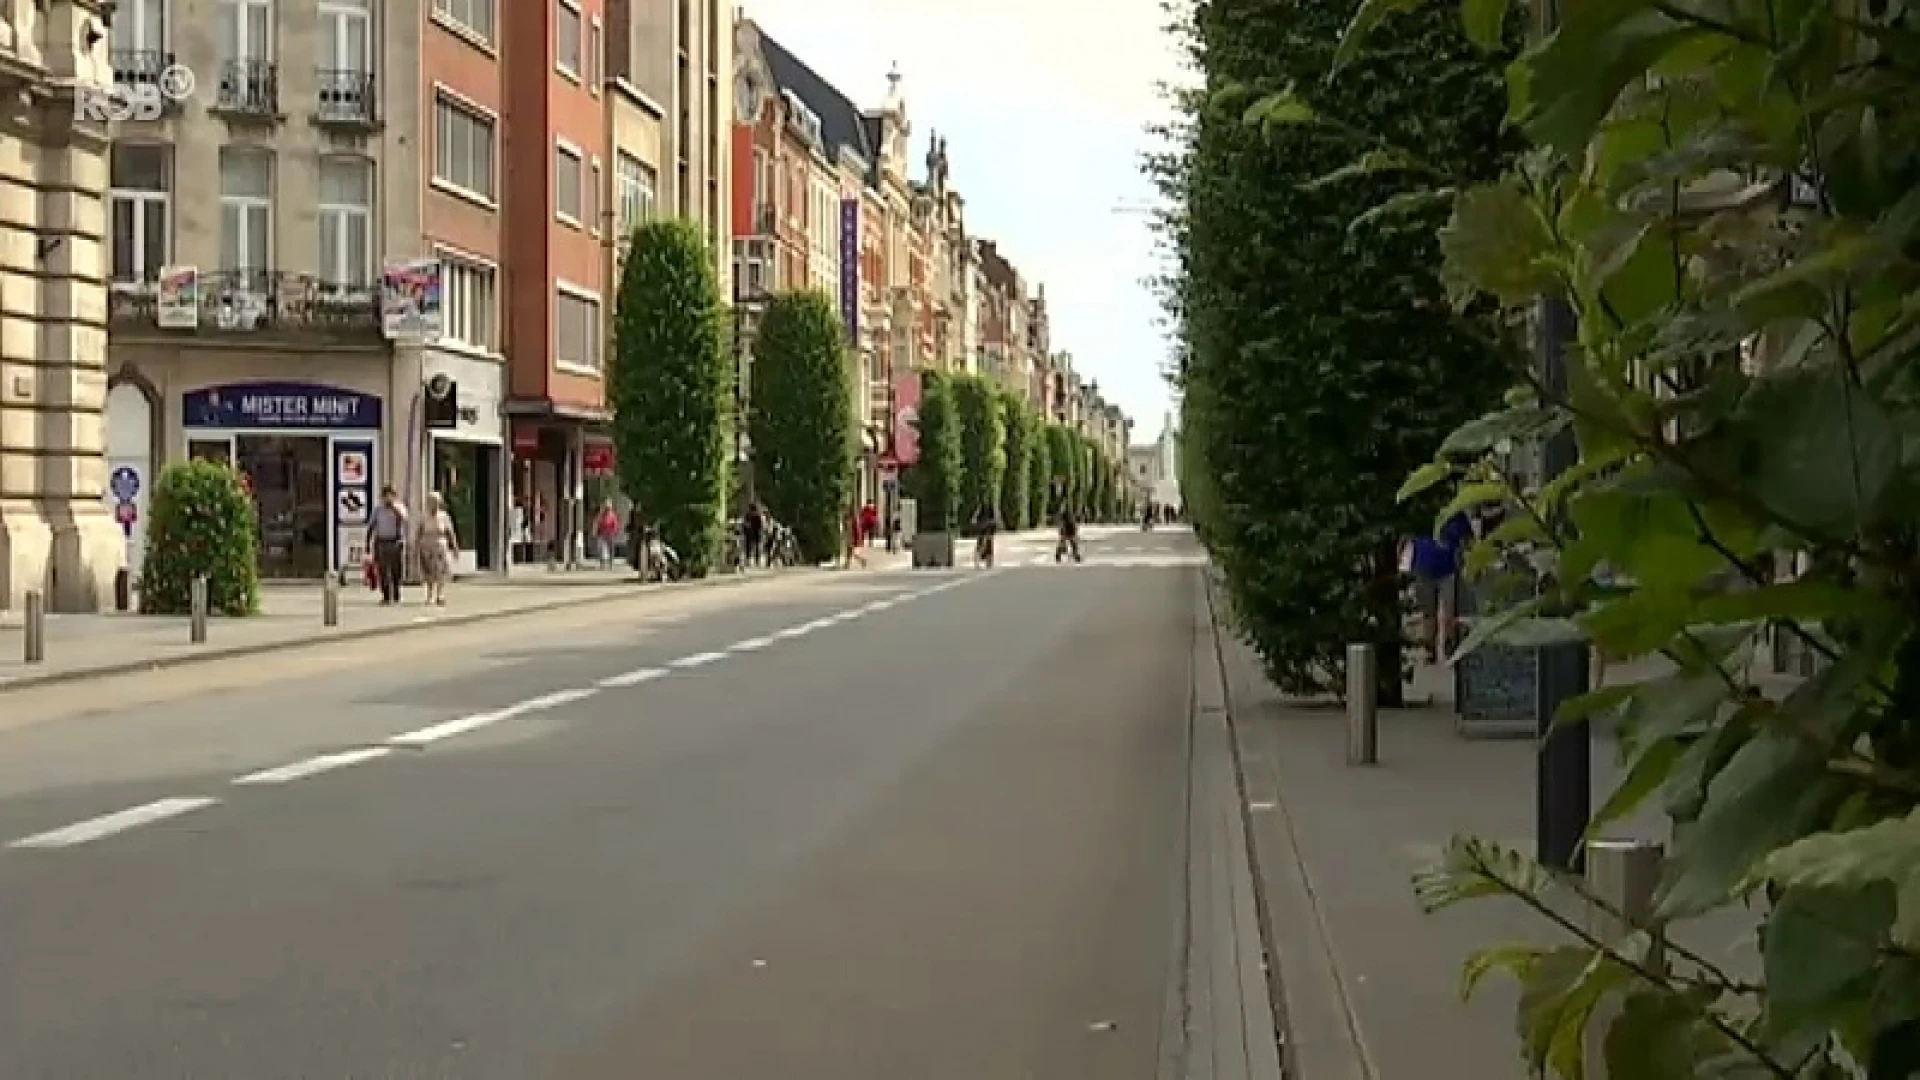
(437, 545)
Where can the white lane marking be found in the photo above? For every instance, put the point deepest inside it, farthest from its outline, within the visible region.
(793, 632)
(752, 644)
(697, 660)
(108, 824)
(817, 624)
(631, 678)
(313, 766)
(877, 606)
(447, 730)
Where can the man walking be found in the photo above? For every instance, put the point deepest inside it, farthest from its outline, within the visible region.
(387, 536)
(753, 533)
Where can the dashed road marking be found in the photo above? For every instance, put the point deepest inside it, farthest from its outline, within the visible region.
(752, 644)
(631, 678)
(108, 824)
(699, 659)
(313, 766)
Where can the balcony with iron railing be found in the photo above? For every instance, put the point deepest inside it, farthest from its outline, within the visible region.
(248, 89)
(144, 68)
(269, 304)
(346, 99)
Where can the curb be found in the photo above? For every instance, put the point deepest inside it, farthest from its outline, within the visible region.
(214, 653)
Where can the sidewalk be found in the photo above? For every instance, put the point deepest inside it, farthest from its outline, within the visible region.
(1370, 984)
(82, 646)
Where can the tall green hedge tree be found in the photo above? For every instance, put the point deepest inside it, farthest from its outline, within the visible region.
(1060, 457)
(1743, 397)
(1320, 359)
(983, 443)
(671, 387)
(1016, 489)
(1040, 475)
(202, 523)
(935, 479)
(801, 423)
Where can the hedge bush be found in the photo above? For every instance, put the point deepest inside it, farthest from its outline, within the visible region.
(983, 443)
(1061, 452)
(201, 522)
(801, 423)
(935, 479)
(1040, 474)
(671, 386)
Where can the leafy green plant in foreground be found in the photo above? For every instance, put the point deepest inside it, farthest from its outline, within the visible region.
(1743, 387)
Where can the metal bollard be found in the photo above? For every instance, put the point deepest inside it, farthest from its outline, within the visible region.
(36, 628)
(123, 590)
(1623, 875)
(197, 627)
(1363, 705)
(330, 600)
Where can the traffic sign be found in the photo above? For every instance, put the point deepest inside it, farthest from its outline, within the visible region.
(125, 483)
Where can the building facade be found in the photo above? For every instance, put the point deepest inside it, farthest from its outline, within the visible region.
(57, 537)
(247, 328)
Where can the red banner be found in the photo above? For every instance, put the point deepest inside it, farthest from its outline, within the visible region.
(906, 417)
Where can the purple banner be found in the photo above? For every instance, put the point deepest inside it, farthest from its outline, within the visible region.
(850, 270)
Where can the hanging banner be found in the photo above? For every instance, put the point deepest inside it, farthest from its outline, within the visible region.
(850, 270)
(410, 299)
(176, 301)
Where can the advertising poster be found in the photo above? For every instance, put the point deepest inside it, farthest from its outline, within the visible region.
(410, 299)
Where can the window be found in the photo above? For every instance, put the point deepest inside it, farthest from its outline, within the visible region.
(141, 197)
(468, 304)
(463, 148)
(246, 209)
(246, 31)
(567, 182)
(346, 36)
(566, 38)
(346, 221)
(634, 186)
(473, 16)
(592, 197)
(596, 57)
(140, 26)
(576, 330)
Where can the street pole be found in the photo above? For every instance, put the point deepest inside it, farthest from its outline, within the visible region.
(740, 395)
(1563, 802)
(890, 503)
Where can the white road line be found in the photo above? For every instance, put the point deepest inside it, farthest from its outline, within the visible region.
(435, 733)
(108, 824)
(792, 632)
(752, 644)
(877, 606)
(697, 660)
(631, 678)
(313, 766)
(817, 624)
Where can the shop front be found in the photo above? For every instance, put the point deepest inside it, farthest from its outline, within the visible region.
(465, 455)
(310, 454)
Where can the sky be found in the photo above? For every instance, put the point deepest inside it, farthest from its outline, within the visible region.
(1044, 105)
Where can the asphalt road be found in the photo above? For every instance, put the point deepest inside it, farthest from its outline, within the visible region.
(859, 825)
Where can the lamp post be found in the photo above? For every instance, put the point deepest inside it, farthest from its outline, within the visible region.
(1564, 780)
(744, 305)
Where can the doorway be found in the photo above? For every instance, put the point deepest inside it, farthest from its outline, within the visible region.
(288, 476)
(467, 476)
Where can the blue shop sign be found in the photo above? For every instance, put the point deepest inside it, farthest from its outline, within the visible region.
(280, 405)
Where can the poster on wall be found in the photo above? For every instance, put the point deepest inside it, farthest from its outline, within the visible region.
(177, 298)
(410, 297)
(352, 502)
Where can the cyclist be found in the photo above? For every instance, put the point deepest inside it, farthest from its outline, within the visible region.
(986, 522)
(1069, 536)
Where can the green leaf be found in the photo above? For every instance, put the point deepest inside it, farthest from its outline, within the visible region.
(1512, 959)
(1821, 951)
(1593, 703)
(1485, 22)
(1497, 240)
(1650, 770)
(1805, 600)
(1371, 163)
(1485, 628)
(1423, 479)
(1284, 109)
(1660, 1035)
(1820, 451)
(1478, 437)
(1769, 794)
(1403, 204)
(1471, 497)
(1886, 852)
(1369, 15)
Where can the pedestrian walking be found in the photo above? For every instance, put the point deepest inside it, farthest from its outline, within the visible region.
(753, 534)
(856, 539)
(438, 546)
(1434, 562)
(606, 533)
(387, 537)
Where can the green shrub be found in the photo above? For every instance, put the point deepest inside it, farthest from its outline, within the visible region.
(935, 479)
(983, 443)
(1060, 455)
(201, 522)
(671, 387)
(801, 424)
(1016, 490)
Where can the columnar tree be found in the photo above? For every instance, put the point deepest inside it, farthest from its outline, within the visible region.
(801, 422)
(1321, 360)
(935, 478)
(671, 387)
(983, 443)
(1040, 474)
(1016, 489)
(1061, 452)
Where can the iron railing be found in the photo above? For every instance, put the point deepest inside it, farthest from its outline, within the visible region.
(249, 87)
(346, 97)
(255, 302)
